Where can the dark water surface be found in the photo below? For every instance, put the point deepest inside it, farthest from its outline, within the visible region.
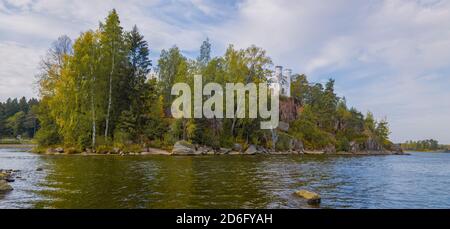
(421, 180)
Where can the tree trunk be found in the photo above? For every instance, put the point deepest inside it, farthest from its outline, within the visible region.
(94, 128)
(108, 112)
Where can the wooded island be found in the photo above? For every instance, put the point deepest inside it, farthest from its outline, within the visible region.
(96, 96)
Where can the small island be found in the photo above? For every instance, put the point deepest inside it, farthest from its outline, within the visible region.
(98, 95)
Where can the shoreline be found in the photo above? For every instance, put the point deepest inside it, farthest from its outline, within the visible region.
(162, 152)
(150, 151)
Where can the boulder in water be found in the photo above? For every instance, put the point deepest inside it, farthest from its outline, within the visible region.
(312, 198)
(4, 186)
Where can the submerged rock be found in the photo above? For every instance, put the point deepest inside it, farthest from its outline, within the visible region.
(312, 198)
(4, 186)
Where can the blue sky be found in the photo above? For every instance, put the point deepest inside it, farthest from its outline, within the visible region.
(389, 57)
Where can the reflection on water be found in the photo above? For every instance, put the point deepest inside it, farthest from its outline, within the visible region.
(421, 180)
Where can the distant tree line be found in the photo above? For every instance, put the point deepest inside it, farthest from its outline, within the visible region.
(424, 145)
(95, 94)
(18, 118)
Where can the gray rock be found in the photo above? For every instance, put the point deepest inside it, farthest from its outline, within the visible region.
(183, 148)
(251, 150)
(59, 150)
(224, 150)
(203, 150)
(237, 147)
(261, 150)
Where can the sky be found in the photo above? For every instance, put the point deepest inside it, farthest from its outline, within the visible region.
(388, 57)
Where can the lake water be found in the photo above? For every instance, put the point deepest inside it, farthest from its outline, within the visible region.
(421, 180)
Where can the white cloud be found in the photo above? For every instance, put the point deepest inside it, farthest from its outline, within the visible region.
(17, 71)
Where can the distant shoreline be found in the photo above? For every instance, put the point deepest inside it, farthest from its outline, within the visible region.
(427, 151)
(17, 146)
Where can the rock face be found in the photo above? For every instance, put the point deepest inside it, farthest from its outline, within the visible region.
(4, 186)
(312, 198)
(354, 147)
(370, 146)
(373, 145)
(183, 148)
